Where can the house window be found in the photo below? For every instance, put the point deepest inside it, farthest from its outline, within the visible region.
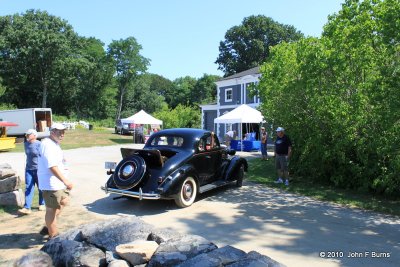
(228, 95)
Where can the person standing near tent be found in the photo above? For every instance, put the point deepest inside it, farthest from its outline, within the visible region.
(283, 151)
(264, 137)
(229, 136)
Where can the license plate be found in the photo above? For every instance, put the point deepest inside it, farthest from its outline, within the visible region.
(110, 165)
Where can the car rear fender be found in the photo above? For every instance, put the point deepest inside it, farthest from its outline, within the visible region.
(234, 166)
(171, 185)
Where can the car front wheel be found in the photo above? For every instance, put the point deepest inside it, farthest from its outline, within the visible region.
(187, 193)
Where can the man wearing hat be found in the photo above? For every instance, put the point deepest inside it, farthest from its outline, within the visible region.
(32, 149)
(283, 151)
(53, 179)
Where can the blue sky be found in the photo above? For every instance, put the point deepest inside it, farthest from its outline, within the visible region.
(180, 37)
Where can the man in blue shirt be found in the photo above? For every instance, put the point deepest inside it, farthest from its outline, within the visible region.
(32, 148)
(283, 151)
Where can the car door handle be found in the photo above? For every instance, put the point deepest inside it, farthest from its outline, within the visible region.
(208, 157)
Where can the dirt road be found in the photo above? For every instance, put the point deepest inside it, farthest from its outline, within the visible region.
(294, 230)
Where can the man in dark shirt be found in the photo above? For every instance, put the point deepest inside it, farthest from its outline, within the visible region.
(283, 151)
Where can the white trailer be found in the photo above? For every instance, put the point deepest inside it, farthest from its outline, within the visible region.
(39, 119)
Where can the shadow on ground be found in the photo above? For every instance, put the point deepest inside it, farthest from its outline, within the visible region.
(277, 220)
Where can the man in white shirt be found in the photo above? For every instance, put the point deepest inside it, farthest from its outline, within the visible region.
(52, 177)
(229, 136)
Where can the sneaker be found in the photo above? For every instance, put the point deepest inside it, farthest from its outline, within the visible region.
(24, 211)
(44, 231)
(279, 181)
(42, 207)
(287, 182)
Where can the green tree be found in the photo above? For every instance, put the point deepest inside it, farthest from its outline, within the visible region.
(125, 54)
(248, 45)
(95, 78)
(339, 100)
(182, 90)
(141, 96)
(179, 117)
(33, 47)
(4, 104)
(204, 91)
(160, 85)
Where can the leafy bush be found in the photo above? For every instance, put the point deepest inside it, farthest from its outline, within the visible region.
(179, 117)
(338, 98)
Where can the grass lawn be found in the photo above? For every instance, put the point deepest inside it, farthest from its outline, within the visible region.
(84, 138)
(263, 172)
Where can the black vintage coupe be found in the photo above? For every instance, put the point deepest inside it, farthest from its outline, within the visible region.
(175, 164)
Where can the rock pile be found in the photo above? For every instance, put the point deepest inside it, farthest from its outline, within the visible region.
(10, 183)
(129, 241)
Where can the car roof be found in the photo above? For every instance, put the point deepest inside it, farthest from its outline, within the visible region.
(188, 134)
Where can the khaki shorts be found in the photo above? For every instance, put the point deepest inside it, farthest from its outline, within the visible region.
(281, 162)
(53, 199)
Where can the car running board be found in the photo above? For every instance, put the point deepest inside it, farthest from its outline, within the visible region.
(213, 185)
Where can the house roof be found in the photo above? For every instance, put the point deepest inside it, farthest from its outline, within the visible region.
(255, 70)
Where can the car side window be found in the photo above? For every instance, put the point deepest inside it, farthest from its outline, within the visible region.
(202, 145)
(169, 140)
(208, 142)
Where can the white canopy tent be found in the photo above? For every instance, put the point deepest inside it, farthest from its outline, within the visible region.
(241, 114)
(142, 118)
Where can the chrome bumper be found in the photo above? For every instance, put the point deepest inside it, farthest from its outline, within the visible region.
(140, 195)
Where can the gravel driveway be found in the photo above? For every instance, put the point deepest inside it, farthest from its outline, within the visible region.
(294, 230)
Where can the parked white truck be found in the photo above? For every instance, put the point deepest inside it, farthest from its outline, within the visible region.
(28, 118)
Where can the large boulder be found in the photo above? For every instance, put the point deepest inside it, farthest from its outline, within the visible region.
(73, 253)
(218, 257)
(175, 251)
(255, 259)
(6, 170)
(137, 252)
(14, 198)
(98, 244)
(10, 184)
(109, 234)
(35, 258)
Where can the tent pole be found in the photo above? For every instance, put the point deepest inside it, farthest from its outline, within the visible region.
(134, 133)
(241, 137)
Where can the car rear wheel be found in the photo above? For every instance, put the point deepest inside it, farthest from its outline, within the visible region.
(129, 172)
(239, 180)
(187, 193)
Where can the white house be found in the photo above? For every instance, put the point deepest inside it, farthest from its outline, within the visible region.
(232, 91)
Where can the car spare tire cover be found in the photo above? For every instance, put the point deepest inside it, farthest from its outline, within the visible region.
(129, 172)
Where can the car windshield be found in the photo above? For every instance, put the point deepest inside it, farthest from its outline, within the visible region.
(167, 140)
